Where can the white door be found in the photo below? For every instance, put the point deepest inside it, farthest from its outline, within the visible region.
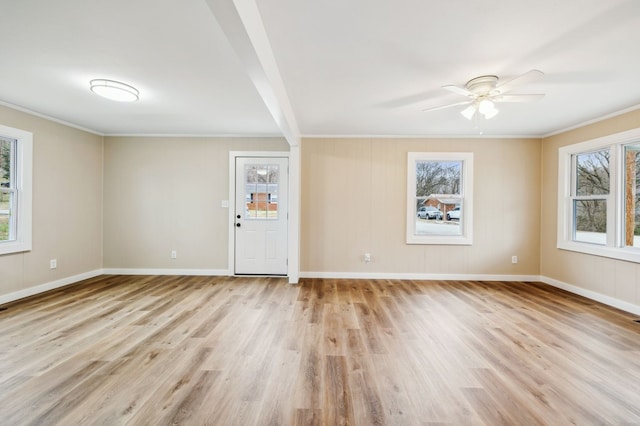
(261, 215)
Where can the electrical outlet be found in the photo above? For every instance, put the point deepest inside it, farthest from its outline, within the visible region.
(174, 254)
(53, 263)
(514, 259)
(367, 257)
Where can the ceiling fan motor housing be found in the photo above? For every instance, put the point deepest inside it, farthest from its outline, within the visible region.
(482, 85)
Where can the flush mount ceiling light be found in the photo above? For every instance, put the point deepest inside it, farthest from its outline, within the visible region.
(114, 90)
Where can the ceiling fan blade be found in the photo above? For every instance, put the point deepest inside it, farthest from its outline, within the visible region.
(517, 98)
(459, 90)
(517, 81)
(447, 106)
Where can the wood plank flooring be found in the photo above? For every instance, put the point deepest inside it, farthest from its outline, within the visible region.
(164, 350)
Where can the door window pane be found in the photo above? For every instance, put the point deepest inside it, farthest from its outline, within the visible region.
(261, 191)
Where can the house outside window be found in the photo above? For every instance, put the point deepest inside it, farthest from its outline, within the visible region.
(439, 198)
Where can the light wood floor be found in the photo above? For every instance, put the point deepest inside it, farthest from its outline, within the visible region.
(218, 350)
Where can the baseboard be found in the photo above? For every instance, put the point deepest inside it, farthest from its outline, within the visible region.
(414, 276)
(598, 297)
(32, 291)
(195, 272)
(589, 294)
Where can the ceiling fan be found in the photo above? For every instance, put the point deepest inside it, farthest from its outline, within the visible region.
(485, 91)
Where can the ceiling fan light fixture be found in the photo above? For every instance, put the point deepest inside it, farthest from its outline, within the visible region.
(485, 105)
(469, 112)
(485, 91)
(487, 108)
(491, 113)
(114, 90)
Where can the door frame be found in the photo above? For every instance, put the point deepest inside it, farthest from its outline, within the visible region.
(293, 230)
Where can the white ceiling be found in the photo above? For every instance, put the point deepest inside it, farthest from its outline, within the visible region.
(356, 67)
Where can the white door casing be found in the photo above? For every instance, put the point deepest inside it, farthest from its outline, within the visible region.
(260, 215)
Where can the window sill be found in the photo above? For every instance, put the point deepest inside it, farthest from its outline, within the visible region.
(11, 247)
(627, 254)
(437, 240)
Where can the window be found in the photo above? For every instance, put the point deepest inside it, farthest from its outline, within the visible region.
(439, 198)
(590, 196)
(16, 148)
(598, 196)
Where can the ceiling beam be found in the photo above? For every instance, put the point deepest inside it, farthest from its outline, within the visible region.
(241, 22)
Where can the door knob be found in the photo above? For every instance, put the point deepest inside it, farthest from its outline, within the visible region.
(238, 225)
(238, 216)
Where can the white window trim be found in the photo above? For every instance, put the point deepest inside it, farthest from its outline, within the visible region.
(466, 193)
(615, 247)
(24, 186)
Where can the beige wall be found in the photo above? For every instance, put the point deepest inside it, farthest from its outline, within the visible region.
(67, 205)
(354, 201)
(613, 278)
(163, 194)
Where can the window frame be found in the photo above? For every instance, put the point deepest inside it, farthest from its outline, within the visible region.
(614, 247)
(466, 198)
(608, 198)
(23, 172)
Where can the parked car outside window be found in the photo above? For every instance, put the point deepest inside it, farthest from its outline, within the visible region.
(429, 212)
(454, 214)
